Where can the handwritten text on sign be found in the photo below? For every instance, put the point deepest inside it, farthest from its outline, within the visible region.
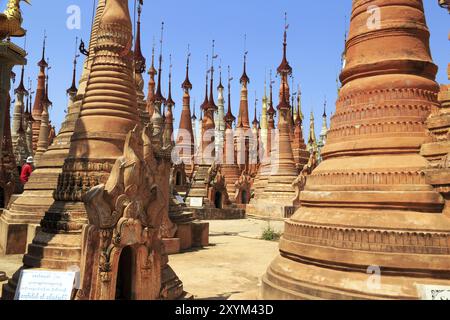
(45, 285)
(434, 292)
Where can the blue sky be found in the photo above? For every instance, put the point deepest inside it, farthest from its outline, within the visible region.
(315, 43)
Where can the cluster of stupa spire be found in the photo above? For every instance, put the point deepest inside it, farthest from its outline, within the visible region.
(31, 128)
(217, 135)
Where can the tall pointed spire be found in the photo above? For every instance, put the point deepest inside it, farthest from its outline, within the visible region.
(44, 130)
(265, 101)
(208, 124)
(254, 146)
(285, 68)
(139, 59)
(292, 104)
(73, 88)
(324, 130)
(42, 63)
(299, 148)
(212, 105)
(299, 104)
(187, 85)
(271, 111)
(169, 101)
(152, 71)
(204, 105)
(312, 143)
(40, 95)
(187, 123)
(46, 101)
(158, 111)
(229, 117)
(139, 68)
(243, 118)
(283, 105)
(255, 121)
(219, 116)
(283, 171)
(220, 86)
(158, 95)
(168, 116)
(194, 117)
(21, 88)
(151, 84)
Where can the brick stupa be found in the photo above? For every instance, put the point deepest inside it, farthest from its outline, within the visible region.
(19, 222)
(230, 167)
(185, 139)
(109, 115)
(262, 176)
(39, 98)
(368, 205)
(277, 199)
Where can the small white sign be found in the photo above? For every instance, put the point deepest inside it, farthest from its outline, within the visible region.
(432, 292)
(45, 285)
(196, 202)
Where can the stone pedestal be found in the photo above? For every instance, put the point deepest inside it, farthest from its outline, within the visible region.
(184, 233)
(200, 234)
(172, 245)
(13, 238)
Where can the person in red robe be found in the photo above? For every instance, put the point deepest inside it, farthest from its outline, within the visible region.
(27, 169)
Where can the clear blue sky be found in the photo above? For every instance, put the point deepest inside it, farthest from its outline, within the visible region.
(315, 43)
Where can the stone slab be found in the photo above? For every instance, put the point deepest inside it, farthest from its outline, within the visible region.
(184, 233)
(172, 245)
(13, 238)
(200, 234)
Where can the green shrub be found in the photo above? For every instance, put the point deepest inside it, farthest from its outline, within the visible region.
(269, 234)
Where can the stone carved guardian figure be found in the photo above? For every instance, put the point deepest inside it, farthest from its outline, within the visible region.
(129, 209)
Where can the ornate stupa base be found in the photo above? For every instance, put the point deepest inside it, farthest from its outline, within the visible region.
(311, 282)
(277, 200)
(370, 261)
(272, 209)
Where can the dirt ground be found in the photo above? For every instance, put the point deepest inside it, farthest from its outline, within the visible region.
(231, 266)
